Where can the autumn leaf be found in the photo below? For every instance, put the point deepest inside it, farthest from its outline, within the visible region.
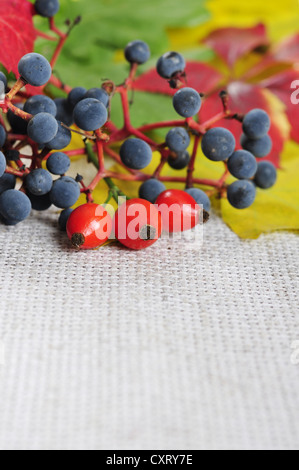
(232, 43)
(274, 209)
(17, 34)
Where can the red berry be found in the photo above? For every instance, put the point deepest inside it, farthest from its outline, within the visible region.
(89, 226)
(178, 209)
(137, 224)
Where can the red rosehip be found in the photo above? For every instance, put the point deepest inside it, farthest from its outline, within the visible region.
(89, 226)
(178, 209)
(137, 224)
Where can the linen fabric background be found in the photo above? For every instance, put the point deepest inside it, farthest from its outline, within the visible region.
(176, 347)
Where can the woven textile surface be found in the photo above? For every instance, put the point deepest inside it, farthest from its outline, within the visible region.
(169, 348)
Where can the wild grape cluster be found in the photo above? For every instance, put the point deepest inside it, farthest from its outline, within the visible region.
(45, 124)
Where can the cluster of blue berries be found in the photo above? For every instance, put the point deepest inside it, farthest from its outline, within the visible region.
(47, 123)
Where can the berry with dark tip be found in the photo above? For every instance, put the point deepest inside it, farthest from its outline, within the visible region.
(89, 226)
(137, 224)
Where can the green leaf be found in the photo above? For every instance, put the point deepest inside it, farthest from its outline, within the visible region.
(106, 27)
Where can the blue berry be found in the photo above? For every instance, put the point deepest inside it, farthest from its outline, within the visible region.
(180, 161)
(98, 94)
(2, 136)
(90, 114)
(151, 189)
(187, 102)
(256, 124)
(218, 144)
(61, 140)
(58, 163)
(170, 64)
(76, 95)
(259, 148)
(7, 181)
(47, 8)
(42, 128)
(137, 52)
(40, 104)
(241, 194)
(242, 165)
(39, 182)
(63, 219)
(18, 125)
(35, 69)
(200, 197)
(177, 139)
(65, 192)
(266, 175)
(15, 206)
(136, 154)
(40, 203)
(64, 111)
(2, 164)
(3, 79)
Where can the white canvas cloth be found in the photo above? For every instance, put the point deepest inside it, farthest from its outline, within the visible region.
(168, 348)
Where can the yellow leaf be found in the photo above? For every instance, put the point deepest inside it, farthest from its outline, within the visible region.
(274, 209)
(281, 19)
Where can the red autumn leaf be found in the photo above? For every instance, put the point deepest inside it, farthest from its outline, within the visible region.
(200, 76)
(232, 43)
(242, 98)
(17, 33)
(287, 50)
(285, 86)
